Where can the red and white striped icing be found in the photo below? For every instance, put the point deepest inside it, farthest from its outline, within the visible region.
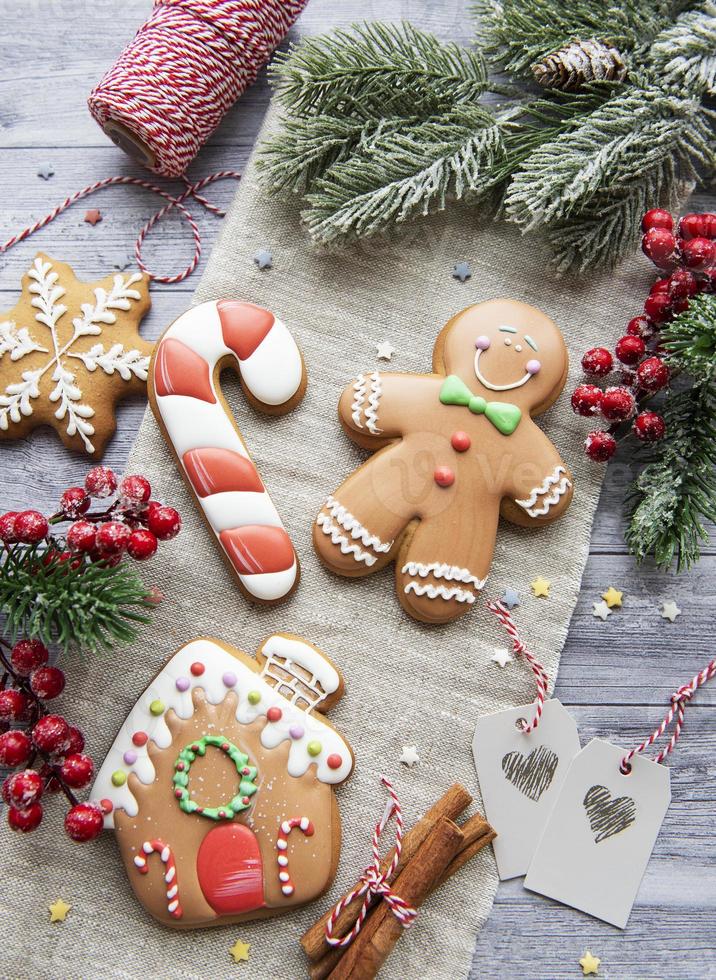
(285, 828)
(170, 874)
(206, 440)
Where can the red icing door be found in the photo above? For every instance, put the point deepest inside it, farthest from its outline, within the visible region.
(230, 871)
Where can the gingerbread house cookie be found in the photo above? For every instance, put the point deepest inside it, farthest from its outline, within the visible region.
(220, 784)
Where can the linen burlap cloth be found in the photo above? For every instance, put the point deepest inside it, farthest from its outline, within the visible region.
(405, 683)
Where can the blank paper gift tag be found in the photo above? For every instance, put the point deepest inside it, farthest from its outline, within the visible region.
(601, 832)
(520, 777)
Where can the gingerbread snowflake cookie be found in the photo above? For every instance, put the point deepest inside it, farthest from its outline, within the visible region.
(69, 351)
(220, 784)
(458, 447)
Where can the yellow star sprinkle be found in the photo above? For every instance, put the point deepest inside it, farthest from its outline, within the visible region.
(59, 910)
(612, 597)
(540, 587)
(589, 964)
(240, 951)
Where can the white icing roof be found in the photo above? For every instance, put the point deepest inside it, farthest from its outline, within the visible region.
(126, 757)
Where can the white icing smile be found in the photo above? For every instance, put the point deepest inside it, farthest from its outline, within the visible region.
(531, 368)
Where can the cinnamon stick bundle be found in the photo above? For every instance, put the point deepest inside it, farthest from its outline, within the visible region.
(450, 805)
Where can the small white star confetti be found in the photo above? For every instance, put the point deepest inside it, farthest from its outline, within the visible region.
(46, 171)
(669, 610)
(501, 656)
(123, 262)
(601, 610)
(409, 756)
(511, 598)
(461, 271)
(385, 351)
(263, 259)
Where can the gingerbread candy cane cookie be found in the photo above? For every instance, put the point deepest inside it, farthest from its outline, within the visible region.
(199, 428)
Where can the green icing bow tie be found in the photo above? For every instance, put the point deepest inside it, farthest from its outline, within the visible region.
(504, 417)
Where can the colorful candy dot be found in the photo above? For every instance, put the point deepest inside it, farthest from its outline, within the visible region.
(482, 342)
(532, 367)
(334, 761)
(129, 757)
(444, 476)
(254, 697)
(460, 442)
(106, 805)
(157, 707)
(314, 748)
(229, 678)
(274, 714)
(197, 669)
(183, 683)
(140, 738)
(296, 731)
(119, 778)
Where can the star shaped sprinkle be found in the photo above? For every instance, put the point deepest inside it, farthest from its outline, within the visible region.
(46, 171)
(461, 271)
(589, 964)
(511, 598)
(501, 656)
(59, 910)
(385, 351)
(409, 756)
(601, 610)
(93, 216)
(124, 262)
(612, 597)
(669, 610)
(263, 259)
(240, 951)
(540, 587)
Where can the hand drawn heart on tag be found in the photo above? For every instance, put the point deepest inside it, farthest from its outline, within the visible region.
(608, 816)
(531, 774)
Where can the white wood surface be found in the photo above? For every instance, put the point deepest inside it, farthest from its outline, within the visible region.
(615, 676)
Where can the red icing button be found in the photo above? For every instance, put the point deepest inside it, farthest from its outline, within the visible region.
(106, 805)
(460, 442)
(140, 738)
(334, 761)
(444, 476)
(274, 714)
(197, 669)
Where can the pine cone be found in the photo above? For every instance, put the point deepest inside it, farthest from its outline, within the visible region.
(577, 63)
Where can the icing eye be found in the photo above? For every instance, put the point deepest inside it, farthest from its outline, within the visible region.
(518, 348)
(482, 342)
(532, 367)
(531, 342)
(507, 341)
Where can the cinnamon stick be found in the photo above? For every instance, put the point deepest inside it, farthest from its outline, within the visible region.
(381, 931)
(450, 805)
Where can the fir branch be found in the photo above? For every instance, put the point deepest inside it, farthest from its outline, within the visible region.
(673, 495)
(690, 338)
(377, 69)
(684, 54)
(403, 174)
(87, 606)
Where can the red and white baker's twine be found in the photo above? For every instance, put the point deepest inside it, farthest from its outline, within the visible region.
(518, 648)
(679, 700)
(170, 874)
(374, 882)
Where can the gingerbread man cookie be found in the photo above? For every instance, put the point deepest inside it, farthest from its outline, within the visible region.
(457, 448)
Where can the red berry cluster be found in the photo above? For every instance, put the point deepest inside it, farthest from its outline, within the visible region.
(132, 523)
(48, 755)
(690, 259)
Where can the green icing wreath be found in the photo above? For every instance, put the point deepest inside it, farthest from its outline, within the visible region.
(247, 773)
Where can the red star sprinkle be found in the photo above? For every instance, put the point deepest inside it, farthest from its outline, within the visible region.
(93, 216)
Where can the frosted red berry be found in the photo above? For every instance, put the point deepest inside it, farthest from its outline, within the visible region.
(660, 286)
(600, 446)
(7, 527)
(659, 245)
(142, 544)
(22, 789)
(47, 682)
(135, 490)
(77, 740)
(77, 770)
(31, 527)
(100, 482)
(698, 253)
(597, 361)
(617, 404)
(112, 538)
(13, 704)
(698, 225)
(15, 748)
(587, 400)
(82, 536)
(630, 349)
(84, 822)
(28, 655)
(51, 734)
(164, 522)
(682, 284)
(649, 427)
(75, 502)
(657, 307)
(640, 326)
(652, 374)
(657, 218)
(25, 820)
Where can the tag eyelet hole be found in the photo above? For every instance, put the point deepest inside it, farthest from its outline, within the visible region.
(625, 770)
(521, 724)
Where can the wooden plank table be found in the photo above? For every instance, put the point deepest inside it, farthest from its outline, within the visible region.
(616, 677)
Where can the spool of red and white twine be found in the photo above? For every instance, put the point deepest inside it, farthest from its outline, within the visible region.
(169, 90)
(519, 649)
